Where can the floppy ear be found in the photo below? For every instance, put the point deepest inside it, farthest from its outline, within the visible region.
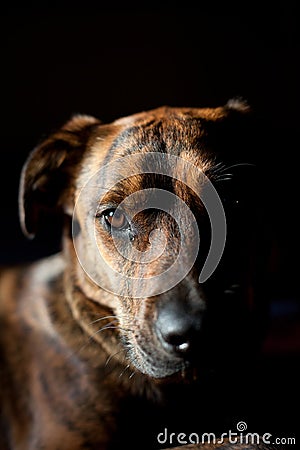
(50, 169)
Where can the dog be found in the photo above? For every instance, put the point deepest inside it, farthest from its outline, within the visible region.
(113, 340)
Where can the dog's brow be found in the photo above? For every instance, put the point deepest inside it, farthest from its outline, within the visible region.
(122, 189)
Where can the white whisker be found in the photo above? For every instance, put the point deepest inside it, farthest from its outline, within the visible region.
(132, 375)
(123, 371)
(103, 318)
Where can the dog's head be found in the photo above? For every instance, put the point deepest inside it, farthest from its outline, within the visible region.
(163, 222)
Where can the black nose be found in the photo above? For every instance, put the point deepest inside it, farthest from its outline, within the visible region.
(178, 329)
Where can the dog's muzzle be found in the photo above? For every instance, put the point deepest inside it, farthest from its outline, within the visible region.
(170, 339)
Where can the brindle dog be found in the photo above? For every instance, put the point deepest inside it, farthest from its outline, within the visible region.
(86, 365)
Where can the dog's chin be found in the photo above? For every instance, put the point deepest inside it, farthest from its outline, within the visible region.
(156, 366)
(162, 371)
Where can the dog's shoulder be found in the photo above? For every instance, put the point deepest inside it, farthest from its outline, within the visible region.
(27, 284)
(25, 291)
(25, 322)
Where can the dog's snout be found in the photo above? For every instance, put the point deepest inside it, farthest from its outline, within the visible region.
(178, 330)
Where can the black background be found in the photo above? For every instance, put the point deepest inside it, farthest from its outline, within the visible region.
(63, 59)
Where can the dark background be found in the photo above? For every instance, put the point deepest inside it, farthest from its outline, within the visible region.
(63, 59)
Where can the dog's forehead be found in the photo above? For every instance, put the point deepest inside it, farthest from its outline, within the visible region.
(169, 130)
(124, 147)
(181, 132)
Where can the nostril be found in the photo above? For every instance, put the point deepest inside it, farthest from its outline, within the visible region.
(178, 333)
(178, 341)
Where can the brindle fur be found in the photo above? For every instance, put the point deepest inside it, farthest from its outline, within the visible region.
(73, 375)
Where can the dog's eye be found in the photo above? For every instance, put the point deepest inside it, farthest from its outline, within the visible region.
(116, 219)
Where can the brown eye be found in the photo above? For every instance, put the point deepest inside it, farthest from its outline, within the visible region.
(116, 219)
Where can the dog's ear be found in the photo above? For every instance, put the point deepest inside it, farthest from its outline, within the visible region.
(50, 169)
